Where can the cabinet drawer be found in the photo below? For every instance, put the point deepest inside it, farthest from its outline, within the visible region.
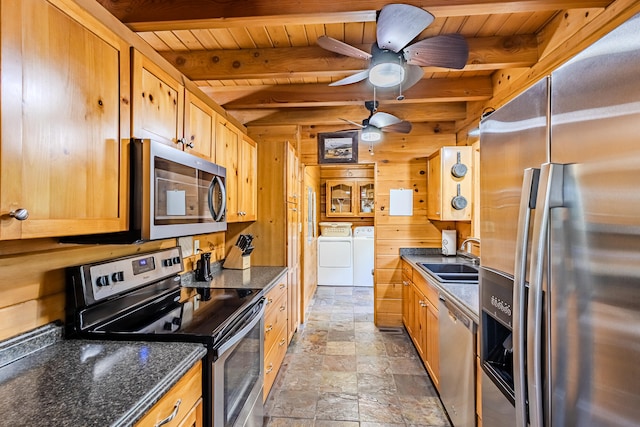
(277, 291)
(194, 417)
(187, 390)
(275, 318)
(427, 289)
(273, 359)
(407, 270)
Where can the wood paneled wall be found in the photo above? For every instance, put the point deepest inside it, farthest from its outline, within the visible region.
(400, 162)
(32, 275)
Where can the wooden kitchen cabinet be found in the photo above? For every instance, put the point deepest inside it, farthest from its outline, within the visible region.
(444, 189)
(65, 122)
(365, 198)
(157, 102)
(340, 198)
(199, 127)
(276, 331)
(350, 197)
(163, 110)
(248, 177)
(420, 316)
(408, 303)
(238, 154)
(184, 398)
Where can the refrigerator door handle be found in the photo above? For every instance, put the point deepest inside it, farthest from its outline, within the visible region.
(527, 204)
(549, 196)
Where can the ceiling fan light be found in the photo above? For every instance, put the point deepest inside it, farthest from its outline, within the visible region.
(370, 134)
(386, 74)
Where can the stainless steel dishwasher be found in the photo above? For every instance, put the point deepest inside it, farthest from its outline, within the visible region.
(457, 360)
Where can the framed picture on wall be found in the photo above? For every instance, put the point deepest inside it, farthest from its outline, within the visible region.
(338, 147)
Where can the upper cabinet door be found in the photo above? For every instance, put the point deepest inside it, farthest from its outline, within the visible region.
(227, 138)
(340, 198)
(450, 184)
(366, 198)
(248, 170)
(158, 103)
(199, 127)
(65, 114)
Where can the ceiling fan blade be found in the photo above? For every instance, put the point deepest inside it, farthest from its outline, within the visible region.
(398, 24)
(333, 45)
(414, 74)
(381, 120)
(354, 78)
(401, 127)
(447, 51)
(353, 123)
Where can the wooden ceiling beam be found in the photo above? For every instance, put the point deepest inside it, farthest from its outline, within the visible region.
(151, 15)
(318, 95)
(485, 53)
(332, 115)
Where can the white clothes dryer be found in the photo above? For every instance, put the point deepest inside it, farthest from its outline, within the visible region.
(363, 256)
(335, 261)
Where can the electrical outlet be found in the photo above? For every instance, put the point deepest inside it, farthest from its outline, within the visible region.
(196, 246)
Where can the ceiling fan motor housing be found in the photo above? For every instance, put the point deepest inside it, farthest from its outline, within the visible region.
(387, 68)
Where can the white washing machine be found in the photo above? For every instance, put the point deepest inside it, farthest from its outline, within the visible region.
(335, 261)
(363, 256)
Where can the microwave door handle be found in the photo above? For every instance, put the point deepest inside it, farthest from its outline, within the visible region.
(549, 196)
(527, 204)
(217, 216)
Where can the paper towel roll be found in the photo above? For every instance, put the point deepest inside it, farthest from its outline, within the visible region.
(449, 242)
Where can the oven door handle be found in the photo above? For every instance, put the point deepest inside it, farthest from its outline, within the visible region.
(238, 335)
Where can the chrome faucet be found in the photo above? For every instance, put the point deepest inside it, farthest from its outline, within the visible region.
(467, 242)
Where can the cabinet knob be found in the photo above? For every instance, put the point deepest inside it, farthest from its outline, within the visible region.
(19, 214)
(189, 144)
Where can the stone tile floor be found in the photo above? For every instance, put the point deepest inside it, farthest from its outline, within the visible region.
(341, 371)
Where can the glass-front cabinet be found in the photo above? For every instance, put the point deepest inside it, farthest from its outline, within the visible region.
(366, 195)
(350, 197)
(340, 198)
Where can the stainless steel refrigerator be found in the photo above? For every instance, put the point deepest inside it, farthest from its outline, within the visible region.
(560, 230)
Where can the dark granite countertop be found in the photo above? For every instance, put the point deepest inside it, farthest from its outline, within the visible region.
(464, 295)
(256, 277)
(46, 380)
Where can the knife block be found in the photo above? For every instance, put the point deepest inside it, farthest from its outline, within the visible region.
(236, 261)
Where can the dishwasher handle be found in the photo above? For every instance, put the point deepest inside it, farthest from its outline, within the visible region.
(456, 314)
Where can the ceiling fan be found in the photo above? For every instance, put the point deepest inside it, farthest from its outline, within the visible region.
(394, 63)
(372, 127)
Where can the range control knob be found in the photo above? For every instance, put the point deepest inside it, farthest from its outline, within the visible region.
(117, 276)
(168, 326)
(176, 260)
(102, 281)
(167, 262)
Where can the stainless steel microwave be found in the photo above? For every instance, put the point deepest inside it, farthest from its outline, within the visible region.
(175, 193)
(171, 194)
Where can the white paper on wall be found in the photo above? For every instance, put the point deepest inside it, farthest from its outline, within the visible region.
(400, 202)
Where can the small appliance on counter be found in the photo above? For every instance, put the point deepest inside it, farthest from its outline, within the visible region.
(449, 239)
(203, 267)
(239, 257)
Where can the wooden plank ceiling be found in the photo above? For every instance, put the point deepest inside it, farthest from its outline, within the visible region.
(259, 59)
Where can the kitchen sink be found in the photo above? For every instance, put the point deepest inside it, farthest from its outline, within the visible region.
(451, 272)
